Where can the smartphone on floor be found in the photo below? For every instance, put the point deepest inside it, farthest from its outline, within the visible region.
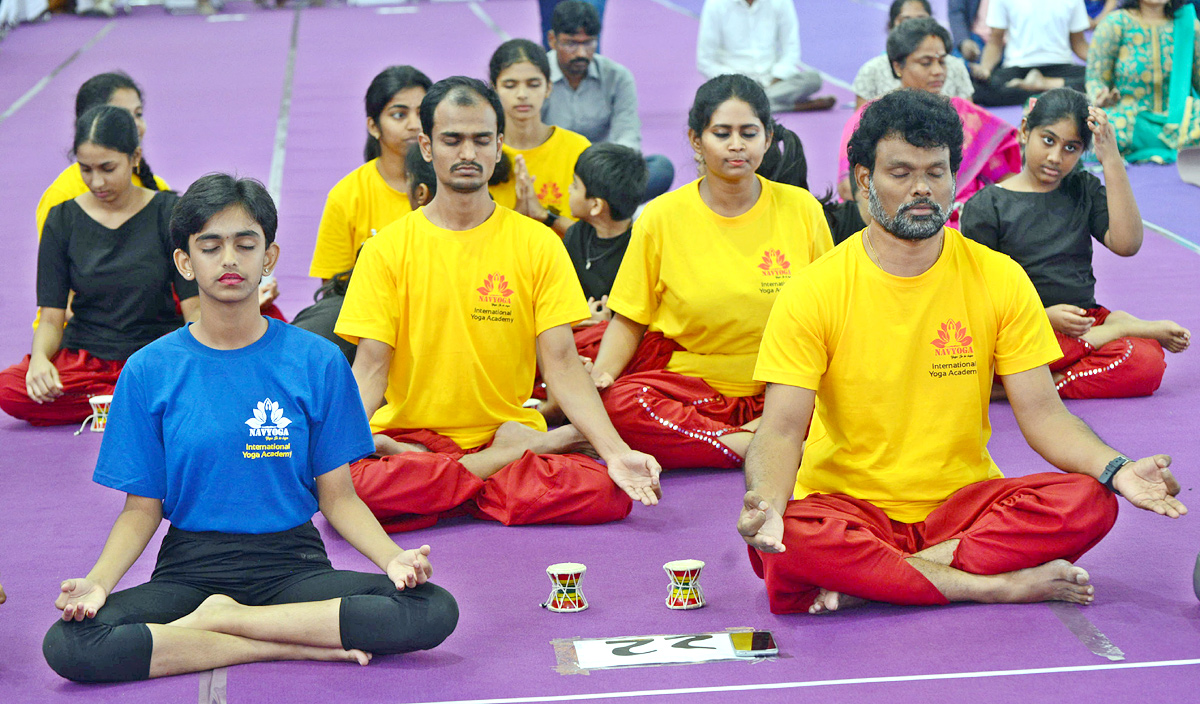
(753, 644)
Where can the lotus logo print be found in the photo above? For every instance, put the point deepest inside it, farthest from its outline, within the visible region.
(549, 193)
(952, 334)
(774, 263)
(268, 420)
(495, 289)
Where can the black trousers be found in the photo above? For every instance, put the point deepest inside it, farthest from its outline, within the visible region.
(257, 570)
(994, 92)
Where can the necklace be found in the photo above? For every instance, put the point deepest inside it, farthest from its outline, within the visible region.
(587, 248)
(871, 253)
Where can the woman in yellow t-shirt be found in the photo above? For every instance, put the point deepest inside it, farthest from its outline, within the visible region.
(697, 283)
(375, 194)
(542, 156)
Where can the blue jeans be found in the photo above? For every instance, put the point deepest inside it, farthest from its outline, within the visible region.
(660, 176)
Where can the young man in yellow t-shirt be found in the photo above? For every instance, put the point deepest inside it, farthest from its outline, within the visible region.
(452, 307)
(892, 341)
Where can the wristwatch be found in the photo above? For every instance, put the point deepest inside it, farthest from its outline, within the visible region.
(1110, 472)
(550, 218)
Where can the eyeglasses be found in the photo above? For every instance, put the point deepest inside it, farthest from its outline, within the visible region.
(572, 45)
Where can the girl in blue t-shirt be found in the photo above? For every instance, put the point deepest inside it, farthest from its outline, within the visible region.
(237, 429)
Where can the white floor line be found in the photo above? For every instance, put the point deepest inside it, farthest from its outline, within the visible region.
(822, 683)
(45, 81)
(1173, 237)
(487, 19)
(275, 180)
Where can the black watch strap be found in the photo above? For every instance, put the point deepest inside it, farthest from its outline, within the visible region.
(1110, 472)
(550, 218)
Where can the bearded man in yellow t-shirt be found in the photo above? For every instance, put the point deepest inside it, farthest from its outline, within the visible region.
(888, 344)
(452, 307)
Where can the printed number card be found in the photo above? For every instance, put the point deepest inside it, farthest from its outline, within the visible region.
(635, 651)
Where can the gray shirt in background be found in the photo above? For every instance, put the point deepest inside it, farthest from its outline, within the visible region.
(603, 108)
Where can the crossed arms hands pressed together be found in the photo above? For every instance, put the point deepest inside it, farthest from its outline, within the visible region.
(82, 597)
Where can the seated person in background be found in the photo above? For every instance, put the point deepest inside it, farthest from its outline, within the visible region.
(876, 78)
(991, 153)
(242, 575)
(1128, 74)
(1035, 39)
(321, 316)
(111, 247)
(444, 376)
(1045, 218)
(968, 26)
(542, 156)
(691, 298)
(594, 95)
(892, 341)
(374, 194)
(759, 39)
(847, 217)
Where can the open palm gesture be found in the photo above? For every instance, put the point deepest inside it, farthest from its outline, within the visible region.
(1149, 484)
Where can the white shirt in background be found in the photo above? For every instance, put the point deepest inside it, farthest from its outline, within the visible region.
(760, 40)
(1037, 32)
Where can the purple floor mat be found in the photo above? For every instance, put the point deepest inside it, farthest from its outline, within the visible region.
(213, 92)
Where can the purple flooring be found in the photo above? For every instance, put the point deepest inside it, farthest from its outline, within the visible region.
(213, 93)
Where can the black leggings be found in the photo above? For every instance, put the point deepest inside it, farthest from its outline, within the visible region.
(995, 92)
(257, 570)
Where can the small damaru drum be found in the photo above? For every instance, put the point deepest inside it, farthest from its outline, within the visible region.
(566, 595)
(685, 584)
(99, 417)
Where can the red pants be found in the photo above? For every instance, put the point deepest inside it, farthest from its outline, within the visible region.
(1127, 366)
(414, 489)
(82, 377)
(847, 545)
(678, 419)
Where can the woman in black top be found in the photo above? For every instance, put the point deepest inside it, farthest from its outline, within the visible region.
(1045, 218)
(111, 246)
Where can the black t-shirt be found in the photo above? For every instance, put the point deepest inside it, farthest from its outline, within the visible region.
(844, 220)
(321, 317)
(122, 278)
(596, 260)
(1048, 234)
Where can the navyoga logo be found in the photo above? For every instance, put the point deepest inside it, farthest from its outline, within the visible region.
(268, 420)
(495, 289)
(952, 339)
(775, 264)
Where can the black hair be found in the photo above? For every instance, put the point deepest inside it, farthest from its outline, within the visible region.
(905, 39)
(107, 126)
(898, 5)
(1054, 105)
(460, 90)
(784, 161)
(575, 17)
(98, 90)
(717, 90)
(211, 194)
(922, 119)
(515, 51)
(1169, 10)
(615, 173)
(387, 83)
(420, 172)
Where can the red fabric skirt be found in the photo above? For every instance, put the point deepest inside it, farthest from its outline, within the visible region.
(1125, 367)
(82, 376)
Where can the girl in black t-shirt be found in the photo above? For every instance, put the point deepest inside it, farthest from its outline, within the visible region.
(1045, 218)
(111, 247)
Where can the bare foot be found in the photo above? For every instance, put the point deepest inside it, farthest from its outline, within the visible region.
(1173, 336)
(563, 439)
(387, 445)
(1057, 580)
(829, 601)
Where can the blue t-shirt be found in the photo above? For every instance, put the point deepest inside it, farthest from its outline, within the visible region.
(233, 440)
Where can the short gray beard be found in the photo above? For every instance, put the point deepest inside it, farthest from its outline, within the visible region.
(904, 226)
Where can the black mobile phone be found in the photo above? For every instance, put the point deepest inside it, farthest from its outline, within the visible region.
(753, 644)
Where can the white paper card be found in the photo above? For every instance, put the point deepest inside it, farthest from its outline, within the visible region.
(599, 653)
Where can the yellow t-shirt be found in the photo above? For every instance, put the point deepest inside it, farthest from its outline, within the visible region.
(69, 184)
(902, 367)
(462, 311)
(553, 166)
(708, 282)
(358, 206)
